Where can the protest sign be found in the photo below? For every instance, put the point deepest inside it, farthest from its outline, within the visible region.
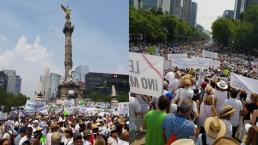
(241, 82)
(176, 56)
(209, 54)
(146, 74)
(35, 106)
(123, 108)
(214, 64)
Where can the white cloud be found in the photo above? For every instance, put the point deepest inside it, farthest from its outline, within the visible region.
(120, 70)
(3, 38)
(29, 61)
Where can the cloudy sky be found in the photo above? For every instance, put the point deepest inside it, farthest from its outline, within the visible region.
(31, 38)
(209, 10)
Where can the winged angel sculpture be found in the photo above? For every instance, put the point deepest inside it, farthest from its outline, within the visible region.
(67, 11)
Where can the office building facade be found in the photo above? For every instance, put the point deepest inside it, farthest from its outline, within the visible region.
(193, 13)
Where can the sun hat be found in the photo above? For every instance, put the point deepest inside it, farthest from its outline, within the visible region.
(214, 127)
(56, 137)
(222, 85)
(87, 133)
(225, 141)
(35, 121)
(228, 109)
(183, 142)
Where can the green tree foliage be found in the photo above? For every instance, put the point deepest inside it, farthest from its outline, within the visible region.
(240, 36)
(9, 100)
(158, 27)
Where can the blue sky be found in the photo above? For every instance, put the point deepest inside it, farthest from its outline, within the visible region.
(31, 37)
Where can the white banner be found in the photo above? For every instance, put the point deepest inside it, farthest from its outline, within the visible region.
(35, 106)
(3, 116)
(123, 108)
(146, 74)
(195, 62)
(215, 64)
(176, 56)
(241, 82)
(69, 103)
(209, 54)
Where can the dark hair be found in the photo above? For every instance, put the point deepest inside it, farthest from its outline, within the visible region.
(213, 84)
(163, 103)
(243, 95)
(233, 92)
(77, 136)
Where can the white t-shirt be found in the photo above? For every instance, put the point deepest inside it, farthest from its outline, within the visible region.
(121, 142)
(112, 141)
(184, 93)
(173, 108)
(144, 105)
(23, 139)
(173, 85)
(67, 141)
(205, 112)
(48, 140)
(134, 106)
(209, 141)
(86, 142)
(220, 96)
(229, 128)
(238, 106)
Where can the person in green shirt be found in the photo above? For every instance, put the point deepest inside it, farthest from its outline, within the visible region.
(153, 123)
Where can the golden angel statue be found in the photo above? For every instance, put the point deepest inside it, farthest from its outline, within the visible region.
(67, 11)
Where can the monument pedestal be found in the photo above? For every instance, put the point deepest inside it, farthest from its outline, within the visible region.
(68, 89)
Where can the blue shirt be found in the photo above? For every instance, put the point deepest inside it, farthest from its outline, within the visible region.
(178, 125)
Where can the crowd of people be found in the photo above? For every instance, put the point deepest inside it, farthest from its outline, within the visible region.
(194, 110)
(99, 128)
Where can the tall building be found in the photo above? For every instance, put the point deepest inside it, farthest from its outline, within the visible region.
(186, 10)
(136, 3)
(80, 72)
(18, 85)
(250, 3)
(11, 80)
(102, 82)
(228, 14)
(55, 80)
(49, 85)
(150, 4)
(176, 8)
(164, 5)
(199, 28)
(193, 13)
(3, 81)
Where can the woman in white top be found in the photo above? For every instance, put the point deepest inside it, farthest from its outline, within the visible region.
(207, 109)
(221, 95)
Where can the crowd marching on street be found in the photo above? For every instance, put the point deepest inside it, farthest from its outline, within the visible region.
(97, 126)
(198, 106)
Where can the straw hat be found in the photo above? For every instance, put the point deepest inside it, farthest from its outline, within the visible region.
(183, 142)
(228, 109)
(214, 127)
(222, 85)
(226, 141)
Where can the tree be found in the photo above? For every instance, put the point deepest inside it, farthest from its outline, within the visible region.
(223, 30)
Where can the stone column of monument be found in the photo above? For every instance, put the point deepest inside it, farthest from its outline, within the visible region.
(68, 30)
(114, 101)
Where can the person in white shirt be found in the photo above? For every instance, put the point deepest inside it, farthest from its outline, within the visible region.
(27, 136)
(144, 108)
(134, 110)
(87, 137)
(124, 138)
(220, 95)
(67, 138)
(113, 139)
(238, 106)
